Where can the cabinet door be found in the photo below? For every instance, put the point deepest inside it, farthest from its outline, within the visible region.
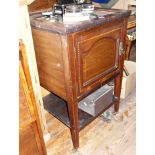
(97, 56)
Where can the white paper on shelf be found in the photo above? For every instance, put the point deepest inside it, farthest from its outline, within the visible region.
(67, 18)
(73, 14)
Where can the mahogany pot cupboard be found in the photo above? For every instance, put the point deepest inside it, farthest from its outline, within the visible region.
(76, 59)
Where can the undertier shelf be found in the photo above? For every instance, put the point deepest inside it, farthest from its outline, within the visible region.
(58, 108)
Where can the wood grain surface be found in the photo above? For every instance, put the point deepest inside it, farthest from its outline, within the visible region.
(49, 61)
(41, 4)
(30, 133)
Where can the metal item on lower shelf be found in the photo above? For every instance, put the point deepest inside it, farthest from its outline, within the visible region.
(97, 101)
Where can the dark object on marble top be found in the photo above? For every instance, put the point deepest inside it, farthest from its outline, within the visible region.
(60, 27)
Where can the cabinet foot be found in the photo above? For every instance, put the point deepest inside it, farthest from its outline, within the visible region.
(74, 125)
(116, 104)
(75, 139)
(74, 150)
(117, 91)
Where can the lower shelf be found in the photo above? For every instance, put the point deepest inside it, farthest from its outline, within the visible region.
(58, 108)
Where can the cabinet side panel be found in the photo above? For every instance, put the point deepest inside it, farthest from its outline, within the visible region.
(48, 51)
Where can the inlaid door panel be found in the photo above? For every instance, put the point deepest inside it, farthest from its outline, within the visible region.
(97, 56)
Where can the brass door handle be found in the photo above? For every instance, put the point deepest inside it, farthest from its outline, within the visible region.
(121, 49)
